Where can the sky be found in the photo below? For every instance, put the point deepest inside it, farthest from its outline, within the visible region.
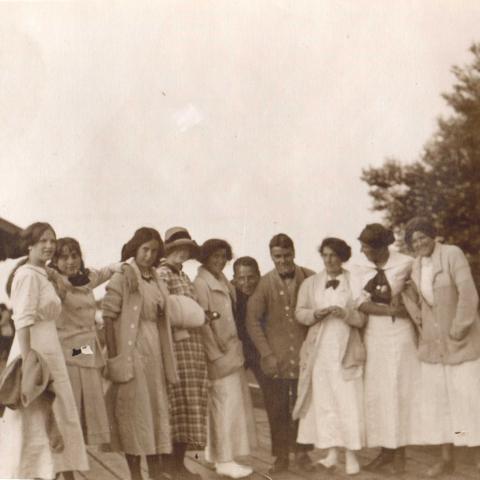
(236, 120)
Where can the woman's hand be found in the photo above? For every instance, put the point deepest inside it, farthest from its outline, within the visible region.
(338, 312)
(320, 313)
(397, 308)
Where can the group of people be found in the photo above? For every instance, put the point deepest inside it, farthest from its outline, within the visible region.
(386, 354)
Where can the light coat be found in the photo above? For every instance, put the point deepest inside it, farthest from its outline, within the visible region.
(124, 308)
(222, 345)
(450, 328)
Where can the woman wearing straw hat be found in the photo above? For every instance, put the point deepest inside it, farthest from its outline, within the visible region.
(188, 397)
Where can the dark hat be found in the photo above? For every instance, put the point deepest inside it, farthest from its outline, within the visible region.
(376, 235)
(179, 237)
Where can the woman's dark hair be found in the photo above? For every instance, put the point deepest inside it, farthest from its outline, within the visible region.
(141, 236)
(281, 240)
(212, 245)
(339, 246)
(82, 277)
(419, 224)
(246, 262)
(376, 235)
(27, 238)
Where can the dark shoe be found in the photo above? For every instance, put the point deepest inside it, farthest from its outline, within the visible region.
(280, 465)
(385, 457)
(304, 462)
(440, 468)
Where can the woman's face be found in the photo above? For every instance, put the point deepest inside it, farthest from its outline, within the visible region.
(147, 254)
(43, 250)
(69, 261)
(216, 261)
(332, 262)
(373, 254)
(422, 244)
(179, 256)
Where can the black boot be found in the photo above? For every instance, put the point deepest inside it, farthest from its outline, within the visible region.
(181, 471)
(398, 465)
(385, 457)
(133, 462)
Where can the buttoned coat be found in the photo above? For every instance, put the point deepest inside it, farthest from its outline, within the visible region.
(450, 328)
(271, 320)
(222, 345)
(124, 308)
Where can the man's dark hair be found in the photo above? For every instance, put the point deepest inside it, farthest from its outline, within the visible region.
(281, 240)
(246, 262)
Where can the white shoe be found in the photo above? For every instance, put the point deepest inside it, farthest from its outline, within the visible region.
(233, 470)
(352, 467)
(331, 460)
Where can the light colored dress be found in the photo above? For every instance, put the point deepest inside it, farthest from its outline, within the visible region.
(139, 408)
(334, 417)
(24, 444)
(76, 329)
(450, 392)
(392, 378)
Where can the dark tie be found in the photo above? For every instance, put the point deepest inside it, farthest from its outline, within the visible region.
(291, 274)
(332, 283)
(379, 288)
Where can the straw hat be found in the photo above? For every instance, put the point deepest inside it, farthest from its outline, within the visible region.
(179, 237)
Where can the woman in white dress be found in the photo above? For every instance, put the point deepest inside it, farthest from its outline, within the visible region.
(330, 392)
(392, 369)
(26, 448)
(445, 307)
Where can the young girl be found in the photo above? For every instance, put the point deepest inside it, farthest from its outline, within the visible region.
(78, 336)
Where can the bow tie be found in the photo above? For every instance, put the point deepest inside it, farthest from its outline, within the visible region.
(291, 274)
(332, 283)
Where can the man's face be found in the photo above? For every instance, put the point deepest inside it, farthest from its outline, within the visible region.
(246, 279)
(283, 259)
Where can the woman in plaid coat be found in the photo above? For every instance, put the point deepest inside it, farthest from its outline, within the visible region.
(188, 398)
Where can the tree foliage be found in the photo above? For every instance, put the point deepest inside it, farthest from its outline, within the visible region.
(445, 182)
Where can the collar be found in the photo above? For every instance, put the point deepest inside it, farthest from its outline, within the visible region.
(40, 270)
(214, 283)
(395, 260)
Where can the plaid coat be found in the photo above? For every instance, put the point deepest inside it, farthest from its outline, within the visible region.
(188, 398)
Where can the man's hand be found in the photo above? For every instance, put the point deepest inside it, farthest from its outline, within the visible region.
(269, 365)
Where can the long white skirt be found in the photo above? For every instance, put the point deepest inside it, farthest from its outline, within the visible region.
(230, 421)
(335, 415)
(24, 444)
(392, 383)
(451, 403)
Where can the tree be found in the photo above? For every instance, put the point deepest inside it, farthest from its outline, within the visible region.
(444, 183)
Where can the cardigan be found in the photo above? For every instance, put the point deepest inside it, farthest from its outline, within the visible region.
(271, 320)
(450, 328)
(354, 355)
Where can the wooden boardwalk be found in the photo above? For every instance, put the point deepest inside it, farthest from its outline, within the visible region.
(112, 466)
